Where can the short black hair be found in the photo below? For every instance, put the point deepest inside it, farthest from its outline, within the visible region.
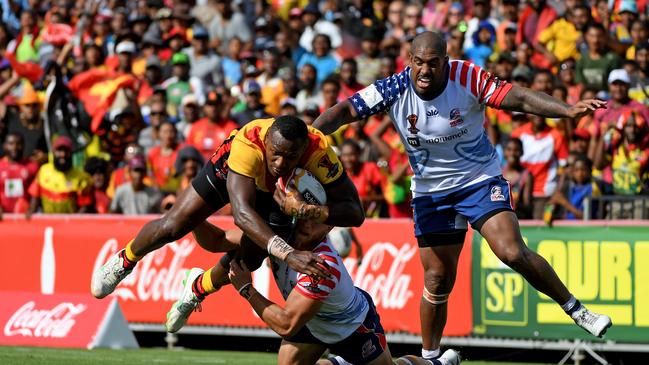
(331, 80)
(516, 141)
(583, 158)
(596, 26)
(290, 127)
(17, 135)
(95, 165)
(352, 143)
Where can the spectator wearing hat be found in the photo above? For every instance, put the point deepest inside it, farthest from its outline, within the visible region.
(162, 157)
(580, 142)
(640, 82)
(227, 24)
(182, 83)
(309, 92)
(619, 83)
(598, 61)
(205, 63)
(125, 51)
(163, 24)
(29, 123)
(190, 114)
(620, 30)
(136, 197)
(567, 77)
(482, 46)
(175, 41)
(148, 55)
(481, 16)
(188, 162)
(561, 40)
(314, 24)
(263, 38)
(58, 186)
(16, 174)
(139, 23)
(254, 107)
(207, 134)
(122, 174)
(97, 169)
(153, 72)
(288, 107)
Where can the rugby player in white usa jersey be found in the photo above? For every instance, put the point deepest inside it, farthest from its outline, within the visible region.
(437, 106)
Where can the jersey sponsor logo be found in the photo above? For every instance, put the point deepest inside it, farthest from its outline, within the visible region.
(452, 137)
(371, 96)
(432, 113)
(413, 141)
(477, 150)
(412, 120)
(332, 168)
(497, 194)
(455, 117)
(368, 349)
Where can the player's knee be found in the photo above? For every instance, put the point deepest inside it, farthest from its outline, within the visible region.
(515, 257)
(437, 282)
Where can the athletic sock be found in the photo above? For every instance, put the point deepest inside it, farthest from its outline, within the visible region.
(431, 356)
(203, 286)
(571, 306)
(130, 256)
(126, 263)
(338, 360)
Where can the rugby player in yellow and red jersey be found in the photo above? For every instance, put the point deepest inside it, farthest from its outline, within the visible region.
(243, 172)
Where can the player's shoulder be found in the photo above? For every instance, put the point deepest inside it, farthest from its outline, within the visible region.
(254, 131)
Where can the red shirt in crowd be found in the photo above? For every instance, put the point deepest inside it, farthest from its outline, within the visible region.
(367, 180)
(207, 136)
(543, 154)
(162, 166)
(15, 178)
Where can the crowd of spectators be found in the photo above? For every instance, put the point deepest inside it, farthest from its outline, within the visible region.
(189, 72)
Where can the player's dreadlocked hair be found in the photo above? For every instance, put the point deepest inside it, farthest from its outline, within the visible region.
(291, 128)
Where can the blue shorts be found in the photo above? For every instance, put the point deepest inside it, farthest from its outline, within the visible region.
(441, 220)
(362, 346)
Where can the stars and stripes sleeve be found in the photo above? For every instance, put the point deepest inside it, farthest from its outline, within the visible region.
(379, 96)
(320, 289)
(484, 86)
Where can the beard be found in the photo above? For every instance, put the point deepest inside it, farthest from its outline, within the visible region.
(62, 164)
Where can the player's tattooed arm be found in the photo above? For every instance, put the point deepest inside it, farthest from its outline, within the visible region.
(526, 100)
(336, 116)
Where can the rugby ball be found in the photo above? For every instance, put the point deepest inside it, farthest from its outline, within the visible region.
(306, 184)
(341, 239)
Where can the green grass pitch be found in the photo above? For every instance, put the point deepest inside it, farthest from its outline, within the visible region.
(50, 356)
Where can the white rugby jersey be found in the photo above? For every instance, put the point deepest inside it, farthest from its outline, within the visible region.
(445, 138)
(344, 307)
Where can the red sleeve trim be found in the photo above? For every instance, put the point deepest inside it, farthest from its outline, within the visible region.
(474, 81)
(464, 73)
(309, 294)
(322, 249)
(500, 94)
(335, 272)
(453, 70)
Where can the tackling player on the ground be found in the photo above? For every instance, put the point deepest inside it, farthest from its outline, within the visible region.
(243, 172)
(437, 106)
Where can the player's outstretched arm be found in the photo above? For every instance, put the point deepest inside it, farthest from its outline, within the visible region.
(526, 100)
(336, 116)
(285, 321)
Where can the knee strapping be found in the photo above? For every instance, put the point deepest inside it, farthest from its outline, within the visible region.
(435, 299)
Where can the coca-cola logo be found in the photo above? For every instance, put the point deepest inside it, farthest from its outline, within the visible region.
(159, 276)
(55, 323)
(390, 290)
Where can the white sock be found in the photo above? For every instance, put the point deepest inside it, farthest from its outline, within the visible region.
(430, 354)
(339, 360)
(571, 305)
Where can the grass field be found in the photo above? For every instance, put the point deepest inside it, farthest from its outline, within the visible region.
(42, 356)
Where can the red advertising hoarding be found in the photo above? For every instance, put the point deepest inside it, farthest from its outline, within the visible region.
(57, 254)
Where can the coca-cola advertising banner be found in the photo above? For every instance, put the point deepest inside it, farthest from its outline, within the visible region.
(33, 319)
(57, 254)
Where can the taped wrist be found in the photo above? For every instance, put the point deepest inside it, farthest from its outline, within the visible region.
(435, 299)
(279, 248)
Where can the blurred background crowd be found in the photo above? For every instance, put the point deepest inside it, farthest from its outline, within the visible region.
(112, 106)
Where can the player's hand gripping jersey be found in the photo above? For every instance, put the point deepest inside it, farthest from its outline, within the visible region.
(344, 306)
(445, 137)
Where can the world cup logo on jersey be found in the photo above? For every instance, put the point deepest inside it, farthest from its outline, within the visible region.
(412, 120)
(455, 118)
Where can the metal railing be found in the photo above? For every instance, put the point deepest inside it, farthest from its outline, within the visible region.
(611, 207)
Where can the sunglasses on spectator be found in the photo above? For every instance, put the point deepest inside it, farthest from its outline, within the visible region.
(417, 15)
(158, 113)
